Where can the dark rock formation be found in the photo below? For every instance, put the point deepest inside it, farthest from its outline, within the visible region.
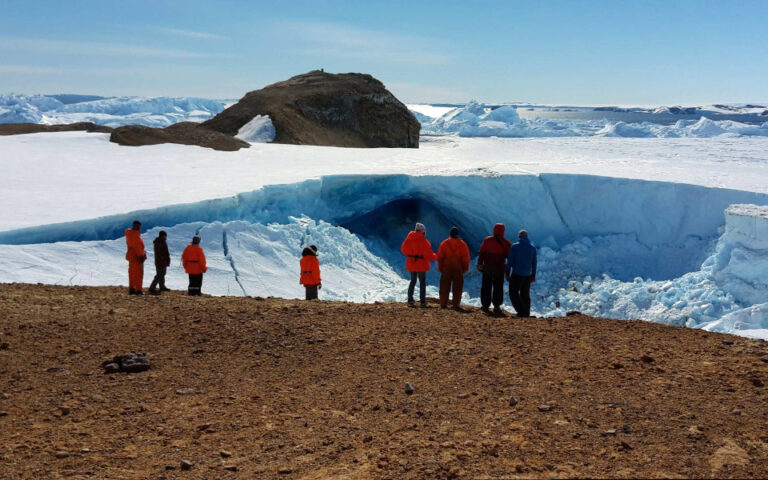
(22, 128)
(318, 108)
(130, 363)
(185, 133)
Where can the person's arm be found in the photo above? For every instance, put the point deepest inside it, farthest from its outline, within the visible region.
(510, 261)
(202, 261)
(464, 257)
(533, 269)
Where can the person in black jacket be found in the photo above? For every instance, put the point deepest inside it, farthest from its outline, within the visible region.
(162, 262)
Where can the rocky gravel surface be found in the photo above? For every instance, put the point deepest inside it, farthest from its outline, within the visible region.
(273, 388)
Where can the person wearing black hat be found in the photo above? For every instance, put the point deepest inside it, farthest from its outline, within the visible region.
(162, 262)
(452, 263)
(310, 272)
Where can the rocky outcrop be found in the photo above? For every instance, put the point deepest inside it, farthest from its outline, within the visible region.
(22, 128)
(319, 108)
(185, 133)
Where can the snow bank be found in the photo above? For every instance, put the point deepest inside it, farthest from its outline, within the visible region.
(243, 259)
(112, 112)
(259, 130)
(728, 293)
(478, 120)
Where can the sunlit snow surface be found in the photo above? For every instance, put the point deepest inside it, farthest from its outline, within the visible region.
(648, 237)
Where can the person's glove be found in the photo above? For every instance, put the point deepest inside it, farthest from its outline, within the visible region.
(319, 286)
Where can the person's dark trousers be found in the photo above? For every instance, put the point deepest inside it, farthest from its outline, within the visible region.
(195, 283)
(492, 290)
(422, 276)
(520, 294)
(159, 278)
(311, 292)
(448, 279)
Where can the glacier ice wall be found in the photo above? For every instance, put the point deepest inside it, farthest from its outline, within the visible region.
(612, 247)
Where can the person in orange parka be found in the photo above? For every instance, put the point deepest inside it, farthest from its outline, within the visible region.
(135, 256)
(452, 263)
(193, 260)
(418, 252)
(310, 272)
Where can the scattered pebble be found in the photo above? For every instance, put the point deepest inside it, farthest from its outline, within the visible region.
(225, 454)
(757, 382)
(85, 450)
(409, 389)
(513, 401)
(3, 413)
(647, 359)
(544, 408)
(285, 470)
(736, 411)
(97, 398)
(606, 433)
(624, 446)
(5, 346)
(727, 342)
(186, 465)
(230, 468)
(63, 454)
(764, 359)
(462, 395)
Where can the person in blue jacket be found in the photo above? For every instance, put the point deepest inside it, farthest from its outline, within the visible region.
(521, 273)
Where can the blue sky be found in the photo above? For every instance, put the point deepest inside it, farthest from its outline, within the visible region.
(566, 51)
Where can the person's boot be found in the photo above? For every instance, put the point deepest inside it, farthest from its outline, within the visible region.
(131, 291)
(152, 291)
(486, 310)
(165, 289)
(138, 292)
(411, 302)
(498, 312)
(424, 304)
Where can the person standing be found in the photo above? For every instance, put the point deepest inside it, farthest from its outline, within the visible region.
(193, 260)
(162, 262)
(310, 272)
(493, 254)
(135, 256)
(452, 263)
(521, 273)
(418, 253)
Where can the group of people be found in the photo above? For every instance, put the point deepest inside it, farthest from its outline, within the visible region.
(193, 259)
(498, 259)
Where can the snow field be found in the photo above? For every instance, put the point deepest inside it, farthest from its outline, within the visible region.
(477, 120)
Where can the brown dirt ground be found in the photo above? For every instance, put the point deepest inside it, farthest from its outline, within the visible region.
(315, 390)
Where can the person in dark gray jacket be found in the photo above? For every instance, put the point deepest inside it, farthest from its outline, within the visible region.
(521, 273)
(162, 262)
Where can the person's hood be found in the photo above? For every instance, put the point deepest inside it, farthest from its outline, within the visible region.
(308, 251)
(159, 240)
(498, 230)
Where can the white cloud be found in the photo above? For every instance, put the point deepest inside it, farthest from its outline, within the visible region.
(187, 33)
(68, 47)
(323, 40)
(28, 69)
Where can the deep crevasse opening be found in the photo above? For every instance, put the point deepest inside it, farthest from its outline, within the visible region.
(608, 246)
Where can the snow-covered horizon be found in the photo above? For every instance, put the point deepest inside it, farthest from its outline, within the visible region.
(626, 227)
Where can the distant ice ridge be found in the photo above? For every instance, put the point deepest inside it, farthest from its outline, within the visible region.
(112, 112)
(478, 120)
